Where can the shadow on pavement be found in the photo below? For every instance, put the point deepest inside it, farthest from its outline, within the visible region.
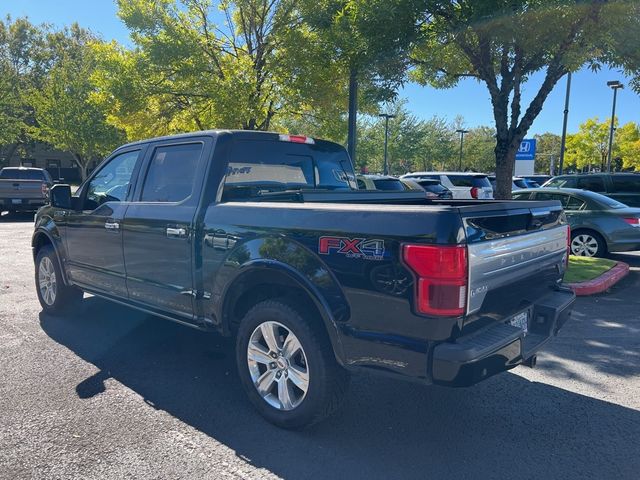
(506, 427)
(603, 333)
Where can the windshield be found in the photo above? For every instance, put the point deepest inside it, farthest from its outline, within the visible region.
(20, 174)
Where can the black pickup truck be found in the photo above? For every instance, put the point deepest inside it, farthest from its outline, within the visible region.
(265, 237)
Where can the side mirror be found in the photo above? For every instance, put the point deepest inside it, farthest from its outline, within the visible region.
(60, 196)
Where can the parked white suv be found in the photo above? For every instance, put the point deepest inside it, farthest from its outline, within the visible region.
(462, 184)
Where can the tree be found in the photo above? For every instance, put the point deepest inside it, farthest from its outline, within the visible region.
(190, 70)
(547, 150)
(413, 144)
(359, 36)
(66, 115)
(628, 139)
(22, 68)
(478, 148)
(588, 149)
(503, 43)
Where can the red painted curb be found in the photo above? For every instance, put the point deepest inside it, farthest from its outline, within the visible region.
(604, 281)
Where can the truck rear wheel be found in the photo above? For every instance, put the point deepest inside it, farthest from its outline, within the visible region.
(55, 297)
(287, 367)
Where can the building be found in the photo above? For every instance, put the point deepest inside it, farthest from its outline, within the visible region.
(58, 163)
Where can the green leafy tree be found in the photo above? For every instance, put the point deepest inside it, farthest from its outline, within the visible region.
(66, 115)
(22, 68)
(547, 151)
(413, 144)
(239, 64)
(588, 149)
(628, 140)
(503, 43)
(369, 40)
(478, 154)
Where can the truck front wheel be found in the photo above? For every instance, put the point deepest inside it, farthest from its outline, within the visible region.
(55, 297)
(287, 367)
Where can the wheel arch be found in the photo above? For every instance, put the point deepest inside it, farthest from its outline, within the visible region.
(267, 279)
(42, 238)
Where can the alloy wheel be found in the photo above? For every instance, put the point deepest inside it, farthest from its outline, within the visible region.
(584, 245)
(278, 365)
(47, 281)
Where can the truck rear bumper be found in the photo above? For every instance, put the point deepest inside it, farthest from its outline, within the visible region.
(500, 347)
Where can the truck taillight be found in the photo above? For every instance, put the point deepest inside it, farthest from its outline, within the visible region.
(634, 222)
(441, 287)
(297, 139)
(474, 192)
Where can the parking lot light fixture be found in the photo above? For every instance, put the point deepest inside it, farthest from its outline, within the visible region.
(461, 132)
(614, 85)
(386, 117)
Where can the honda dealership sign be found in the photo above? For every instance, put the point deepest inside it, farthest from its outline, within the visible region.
(525, 157)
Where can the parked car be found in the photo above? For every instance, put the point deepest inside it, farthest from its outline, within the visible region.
(623, 187)
(517, 183)
(24, 189)
(385, 183)
(461, 184)
(433, 188)
(599, 224)
(265, 237)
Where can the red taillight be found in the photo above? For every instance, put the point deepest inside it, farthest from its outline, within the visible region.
(634, 222)
(474, 192)
(442, 278)
(297, 139)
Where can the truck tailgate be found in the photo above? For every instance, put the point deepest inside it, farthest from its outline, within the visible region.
(21, 189)
(522, 248)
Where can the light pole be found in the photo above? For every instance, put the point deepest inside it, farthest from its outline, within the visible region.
(461, 132)
(614, 85)
(386, 117)
(564, 123)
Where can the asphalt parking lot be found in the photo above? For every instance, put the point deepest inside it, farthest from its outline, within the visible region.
(113, 393)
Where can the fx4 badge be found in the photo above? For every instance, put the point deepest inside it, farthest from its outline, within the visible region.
(352, 247)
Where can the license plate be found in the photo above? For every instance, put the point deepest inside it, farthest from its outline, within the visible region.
(521, 320)
(16, 200)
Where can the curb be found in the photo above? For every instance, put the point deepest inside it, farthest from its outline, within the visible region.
(601, 283)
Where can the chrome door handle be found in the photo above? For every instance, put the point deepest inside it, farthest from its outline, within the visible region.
(111, 225)
(176, 232)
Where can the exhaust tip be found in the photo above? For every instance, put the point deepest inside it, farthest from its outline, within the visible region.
(531, 361)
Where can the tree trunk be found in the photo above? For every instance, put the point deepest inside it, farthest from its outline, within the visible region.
(82, 165)
(12, 149)
(505, 165)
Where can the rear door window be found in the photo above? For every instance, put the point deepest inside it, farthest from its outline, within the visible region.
(477, 181)
(171, 173)
(592, 183)
(626, 183)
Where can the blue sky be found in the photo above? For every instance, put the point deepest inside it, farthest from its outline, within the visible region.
(589, 95)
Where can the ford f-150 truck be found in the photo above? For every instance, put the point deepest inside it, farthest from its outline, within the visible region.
(265, 237)
(24, 189)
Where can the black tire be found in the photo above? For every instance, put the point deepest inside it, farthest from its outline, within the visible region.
(327, 380)
(588, 243)
(65, 298)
